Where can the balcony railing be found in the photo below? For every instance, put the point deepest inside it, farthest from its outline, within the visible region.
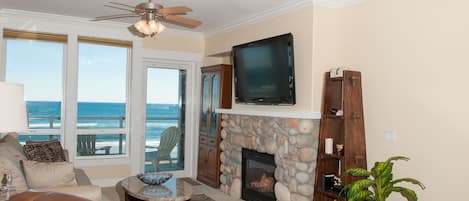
(50, 120)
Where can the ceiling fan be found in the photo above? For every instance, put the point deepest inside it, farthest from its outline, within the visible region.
(151, 15)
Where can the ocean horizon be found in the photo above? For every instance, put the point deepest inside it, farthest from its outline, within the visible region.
(101, 115)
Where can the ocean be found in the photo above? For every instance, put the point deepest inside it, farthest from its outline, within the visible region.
(47, 115)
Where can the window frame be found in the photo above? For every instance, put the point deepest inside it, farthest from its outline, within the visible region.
(3, 75)
(105, 131)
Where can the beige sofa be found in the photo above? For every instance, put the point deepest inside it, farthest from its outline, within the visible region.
(10, 154)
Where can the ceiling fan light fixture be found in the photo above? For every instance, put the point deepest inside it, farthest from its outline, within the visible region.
(139, 25)
(160, 27)
(149, 27)
(151, 15)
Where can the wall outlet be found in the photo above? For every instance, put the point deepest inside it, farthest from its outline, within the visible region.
(390, 136)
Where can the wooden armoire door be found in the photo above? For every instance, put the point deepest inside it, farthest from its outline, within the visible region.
(216, 93)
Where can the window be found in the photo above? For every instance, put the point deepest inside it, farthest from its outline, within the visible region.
(102, 98)
(36, 60)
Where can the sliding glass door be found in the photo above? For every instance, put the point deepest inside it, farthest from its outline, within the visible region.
(165, 119)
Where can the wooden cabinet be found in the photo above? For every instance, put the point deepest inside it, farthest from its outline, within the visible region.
(342, 120)
(216, 93)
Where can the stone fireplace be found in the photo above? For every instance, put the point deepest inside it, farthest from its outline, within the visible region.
(293, 142)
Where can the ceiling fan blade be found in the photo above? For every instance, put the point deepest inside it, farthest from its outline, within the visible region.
(121, 4)
(120, 8)
(182, 21)
(179, 10)
(108, 17)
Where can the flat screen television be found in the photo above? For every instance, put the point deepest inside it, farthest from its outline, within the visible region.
(264, 71)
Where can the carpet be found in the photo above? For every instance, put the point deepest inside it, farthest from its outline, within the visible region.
(191, 181)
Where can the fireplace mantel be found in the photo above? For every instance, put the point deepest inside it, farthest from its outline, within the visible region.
(279, 114)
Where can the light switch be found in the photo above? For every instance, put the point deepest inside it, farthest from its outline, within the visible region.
(390, 136)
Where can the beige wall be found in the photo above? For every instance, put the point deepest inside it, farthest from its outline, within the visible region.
(299, 23)
(175, 42)
(413, 56)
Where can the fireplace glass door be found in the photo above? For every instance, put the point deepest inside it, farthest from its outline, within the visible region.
(258, 176)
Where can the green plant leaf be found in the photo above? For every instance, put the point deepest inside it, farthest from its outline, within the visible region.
(362, 195)
(409, 194)
(358, 172)
(358, 186)
(379, 168)
(387, 191)
(409, 180)
(396, 158)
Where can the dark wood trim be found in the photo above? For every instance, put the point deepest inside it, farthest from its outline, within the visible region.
(27, 35)
(105, 41)
(208, 143)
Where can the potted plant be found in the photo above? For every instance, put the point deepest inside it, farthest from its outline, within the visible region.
(378, 183)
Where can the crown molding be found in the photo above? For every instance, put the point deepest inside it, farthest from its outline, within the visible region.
(336, 3)
(261, 16)
(68, 19)
(279, 10)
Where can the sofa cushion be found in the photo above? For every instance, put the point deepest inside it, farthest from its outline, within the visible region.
(89, 192)
(12, 140)
(11, 149)
(8, 166)
(47, 151)
(11, 153)
(41, 175)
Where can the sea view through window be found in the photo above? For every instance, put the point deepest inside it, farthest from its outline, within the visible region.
(100, 111)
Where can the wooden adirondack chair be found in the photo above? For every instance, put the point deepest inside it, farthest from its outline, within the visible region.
(86, 146)
(169, 139)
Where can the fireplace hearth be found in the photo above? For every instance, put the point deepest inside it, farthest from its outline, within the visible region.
(258, 178)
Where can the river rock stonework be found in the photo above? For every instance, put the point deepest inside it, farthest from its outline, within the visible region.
(293, 142)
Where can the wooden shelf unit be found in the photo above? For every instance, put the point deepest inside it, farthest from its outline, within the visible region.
(344, 94)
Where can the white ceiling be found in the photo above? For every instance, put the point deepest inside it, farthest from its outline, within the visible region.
(213, 13)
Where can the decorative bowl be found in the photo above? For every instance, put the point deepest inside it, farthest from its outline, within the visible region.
(154, 178)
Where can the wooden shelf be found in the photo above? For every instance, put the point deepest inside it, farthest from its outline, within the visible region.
(324, 156)
(331, 116)
(349, 130)
(337, 79)
(331, 194)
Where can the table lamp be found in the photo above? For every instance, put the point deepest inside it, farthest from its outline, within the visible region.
(13, 115)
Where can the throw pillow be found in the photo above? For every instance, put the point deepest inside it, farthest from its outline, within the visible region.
(9, 167)
(48, 151)
(40, 175)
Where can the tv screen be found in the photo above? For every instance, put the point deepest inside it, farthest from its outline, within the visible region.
(264, 71)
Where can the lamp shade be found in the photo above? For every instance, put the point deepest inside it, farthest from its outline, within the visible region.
(13, 117)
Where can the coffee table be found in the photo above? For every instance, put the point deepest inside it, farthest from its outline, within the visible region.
(172, 190)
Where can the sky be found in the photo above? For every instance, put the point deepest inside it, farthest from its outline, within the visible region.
(101, 78)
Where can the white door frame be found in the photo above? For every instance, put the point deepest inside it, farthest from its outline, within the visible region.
(190, 68)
